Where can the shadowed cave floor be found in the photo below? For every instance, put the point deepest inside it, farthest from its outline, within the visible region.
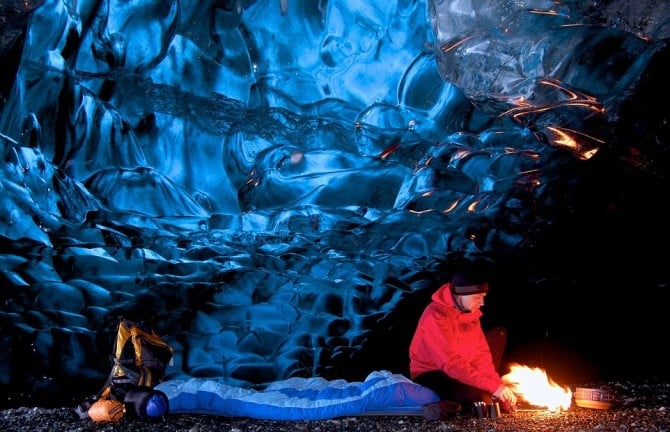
(641, 405)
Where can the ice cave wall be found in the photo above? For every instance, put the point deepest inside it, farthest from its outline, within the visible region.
(278, 186)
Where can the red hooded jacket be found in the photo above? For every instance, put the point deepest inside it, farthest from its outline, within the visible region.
(452, 341)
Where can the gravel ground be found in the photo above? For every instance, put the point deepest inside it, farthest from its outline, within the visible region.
(640, 406)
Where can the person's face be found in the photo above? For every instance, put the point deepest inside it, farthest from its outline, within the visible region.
(473, 301)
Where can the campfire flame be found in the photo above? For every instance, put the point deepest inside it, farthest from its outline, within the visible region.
(535, 387)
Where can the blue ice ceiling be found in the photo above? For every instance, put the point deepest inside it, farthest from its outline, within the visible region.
(278, 185)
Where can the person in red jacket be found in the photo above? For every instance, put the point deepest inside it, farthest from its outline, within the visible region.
(450, 353)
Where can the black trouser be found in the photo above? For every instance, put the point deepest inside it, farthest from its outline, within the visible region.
(448, 388)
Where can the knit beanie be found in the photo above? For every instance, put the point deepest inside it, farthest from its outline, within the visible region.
(468, 283)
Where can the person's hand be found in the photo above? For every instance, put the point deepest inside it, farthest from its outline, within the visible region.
(505, 394)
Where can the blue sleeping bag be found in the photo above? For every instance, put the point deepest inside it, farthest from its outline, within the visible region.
(381, 393)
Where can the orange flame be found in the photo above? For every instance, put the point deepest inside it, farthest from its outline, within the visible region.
(535, 387)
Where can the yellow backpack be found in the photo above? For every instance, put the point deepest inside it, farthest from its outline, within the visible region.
(140, 357)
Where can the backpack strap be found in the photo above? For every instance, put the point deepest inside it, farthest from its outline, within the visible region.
(105, 391)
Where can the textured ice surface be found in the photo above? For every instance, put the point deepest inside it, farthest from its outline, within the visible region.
(277, 186)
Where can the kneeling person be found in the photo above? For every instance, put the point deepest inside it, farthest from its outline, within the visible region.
(451, 354)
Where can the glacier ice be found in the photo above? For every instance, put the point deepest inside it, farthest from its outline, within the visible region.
(277, 186)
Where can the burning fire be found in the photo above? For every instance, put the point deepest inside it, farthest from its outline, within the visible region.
(535, 387)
